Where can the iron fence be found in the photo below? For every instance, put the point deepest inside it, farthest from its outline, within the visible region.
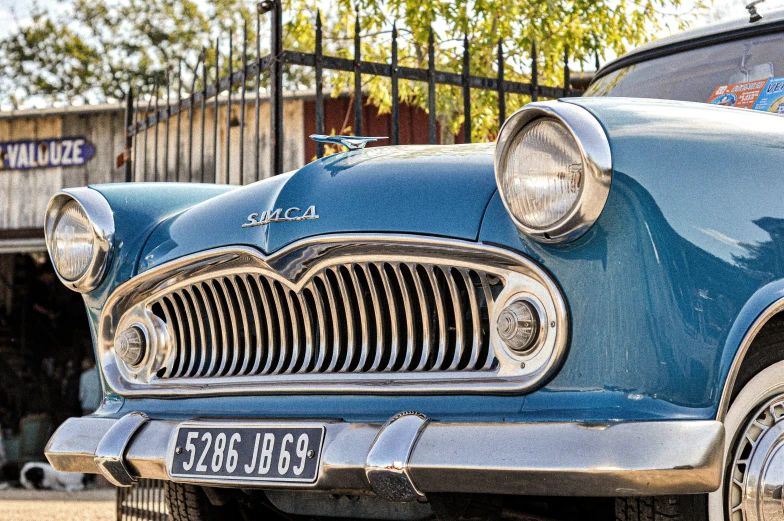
(144, 501)
(197, 168)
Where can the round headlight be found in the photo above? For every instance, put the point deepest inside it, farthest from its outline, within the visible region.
(553, 170)
(79, 229)
(72, 241)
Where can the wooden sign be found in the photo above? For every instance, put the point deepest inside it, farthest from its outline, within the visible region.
(45, 153)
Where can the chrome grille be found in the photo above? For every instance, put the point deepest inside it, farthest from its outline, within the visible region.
(369, 317)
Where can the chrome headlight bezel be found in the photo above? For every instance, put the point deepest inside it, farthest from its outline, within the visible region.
(594, 147)
(101, 219)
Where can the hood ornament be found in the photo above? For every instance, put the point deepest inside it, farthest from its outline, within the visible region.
(350, 142)
(754, 16)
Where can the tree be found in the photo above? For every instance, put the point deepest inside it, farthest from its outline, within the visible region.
(101, 47)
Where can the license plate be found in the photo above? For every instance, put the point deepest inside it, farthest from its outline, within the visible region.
(247, 453)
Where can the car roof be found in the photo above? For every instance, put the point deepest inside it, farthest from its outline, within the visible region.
(772, 21)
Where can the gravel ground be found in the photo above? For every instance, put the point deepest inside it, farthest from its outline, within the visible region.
(49, 505)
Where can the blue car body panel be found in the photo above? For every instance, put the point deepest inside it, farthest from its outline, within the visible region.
(661, 290)
(439, 191)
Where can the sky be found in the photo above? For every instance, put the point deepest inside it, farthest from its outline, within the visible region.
(17, 11)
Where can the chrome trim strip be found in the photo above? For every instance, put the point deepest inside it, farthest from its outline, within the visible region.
(729, 382)
(594, 147)
(302, 265)
(549, 458)
(110, 453)
(101, 218)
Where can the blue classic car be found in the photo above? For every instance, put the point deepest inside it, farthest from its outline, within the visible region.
(590, 308)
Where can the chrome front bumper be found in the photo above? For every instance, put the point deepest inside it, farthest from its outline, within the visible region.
(410, 456)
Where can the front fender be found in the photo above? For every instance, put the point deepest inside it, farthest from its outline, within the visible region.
(686, 254)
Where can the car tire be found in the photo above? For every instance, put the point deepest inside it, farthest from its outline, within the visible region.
(186, 502)
(662, 508)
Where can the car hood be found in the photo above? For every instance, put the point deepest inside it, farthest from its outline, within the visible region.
(441, 191)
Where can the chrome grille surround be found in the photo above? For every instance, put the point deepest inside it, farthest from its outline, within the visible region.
(316, 317)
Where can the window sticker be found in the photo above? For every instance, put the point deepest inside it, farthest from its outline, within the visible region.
(741, 95)
(772, 97)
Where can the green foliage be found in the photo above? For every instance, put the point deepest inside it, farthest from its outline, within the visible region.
(93, 52)
(586, 27)
(100, 47)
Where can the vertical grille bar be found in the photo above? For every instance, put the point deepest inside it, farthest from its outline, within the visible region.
(395, 346)
(350, 338)
(363, 317)
(407, 316)
(184, 343)
(321, 318)
(190, 313)
(254, 312)
(424, 309)
(307, 323)
(283, 347)
(243, 307)
(295, 343)
(476, 328)
(458, 315)
(203, 309)
(232, 326)
(442, 324)
(335, 330)
(377, 310)
(219, 311)
(265, 304)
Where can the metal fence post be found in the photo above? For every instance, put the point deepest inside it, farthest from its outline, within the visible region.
(357, 79)
(128, 136)
(501, 92)
(466, 91)
(534, 73)
(431, 88)
(243, 90)
(395, 92)
(567, 73)
(276, 89)
(319, 85)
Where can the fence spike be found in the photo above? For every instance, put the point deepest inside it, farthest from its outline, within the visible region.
(534, 73)
(243, 89)
(596, 58)
(228, 106)
(357, 78)
(431, 88)
(319, 85)
(276, 89)
(567, 73)
(466, 91)
(179, 123)
(257, 86)
(395, 93)
(501, 91)
(215, 118)
(166, 128)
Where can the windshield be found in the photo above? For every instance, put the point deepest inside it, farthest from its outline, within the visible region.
(746, 73)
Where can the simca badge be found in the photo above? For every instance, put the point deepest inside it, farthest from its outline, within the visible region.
(277, 216)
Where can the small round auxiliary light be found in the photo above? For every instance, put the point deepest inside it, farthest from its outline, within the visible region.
(518, 326)
(131, 345)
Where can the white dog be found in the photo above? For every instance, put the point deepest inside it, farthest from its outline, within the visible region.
(41, 476)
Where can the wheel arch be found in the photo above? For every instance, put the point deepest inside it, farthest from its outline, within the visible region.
(763, 308)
